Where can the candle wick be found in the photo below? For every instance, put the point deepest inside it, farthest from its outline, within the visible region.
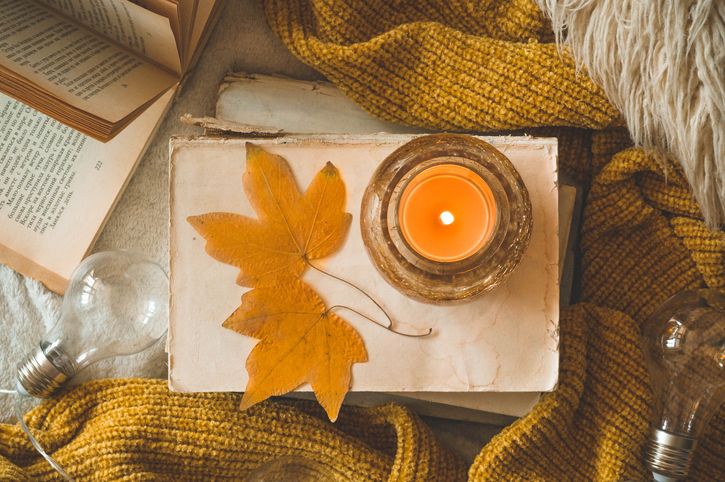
(446, 218)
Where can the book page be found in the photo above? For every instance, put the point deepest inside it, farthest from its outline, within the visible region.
(57, 186)
(129, 25)
(75, 65)
(168, 9)
(202, 14)
(187, 10)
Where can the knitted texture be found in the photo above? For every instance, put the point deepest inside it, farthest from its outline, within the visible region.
(446, 65)
(643, 240)
(139, 430)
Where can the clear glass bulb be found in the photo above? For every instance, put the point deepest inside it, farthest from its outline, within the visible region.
(684, 346)
(116, 304)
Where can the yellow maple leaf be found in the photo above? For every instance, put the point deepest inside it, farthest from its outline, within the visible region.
(300, 341)
(291, 228)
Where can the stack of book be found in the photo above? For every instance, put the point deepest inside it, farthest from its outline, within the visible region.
(493, 356)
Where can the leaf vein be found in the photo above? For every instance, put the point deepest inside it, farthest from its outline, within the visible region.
(314, 220)
(323, 240)
(279, 207)
(289, 352)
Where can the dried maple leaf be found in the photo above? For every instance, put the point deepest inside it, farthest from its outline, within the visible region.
(291, 227)
(300, 341)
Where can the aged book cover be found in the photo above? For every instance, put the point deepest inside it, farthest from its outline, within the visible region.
(506, 341)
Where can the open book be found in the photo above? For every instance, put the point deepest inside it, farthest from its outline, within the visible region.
(96, 65)
(58, 187)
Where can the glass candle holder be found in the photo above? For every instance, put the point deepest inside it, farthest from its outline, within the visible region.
(445, 218)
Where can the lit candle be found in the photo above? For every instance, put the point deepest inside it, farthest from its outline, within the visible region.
(447, 213)
(445, 218)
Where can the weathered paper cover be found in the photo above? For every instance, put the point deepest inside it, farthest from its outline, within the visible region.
(506, 341)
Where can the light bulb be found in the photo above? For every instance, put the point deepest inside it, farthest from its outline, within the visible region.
(116, 304)
(684, 346)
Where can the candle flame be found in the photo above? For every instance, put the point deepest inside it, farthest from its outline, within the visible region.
(446, 218)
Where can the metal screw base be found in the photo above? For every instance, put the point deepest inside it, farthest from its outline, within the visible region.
(39, 377)
(669, 454)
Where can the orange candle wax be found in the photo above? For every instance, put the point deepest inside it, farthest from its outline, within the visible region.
(447, 213)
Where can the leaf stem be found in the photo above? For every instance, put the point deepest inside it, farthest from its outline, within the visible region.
(390, 320)
(389, 328)
(390, 325)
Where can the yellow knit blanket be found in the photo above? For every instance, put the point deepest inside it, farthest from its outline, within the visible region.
(447, 65)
